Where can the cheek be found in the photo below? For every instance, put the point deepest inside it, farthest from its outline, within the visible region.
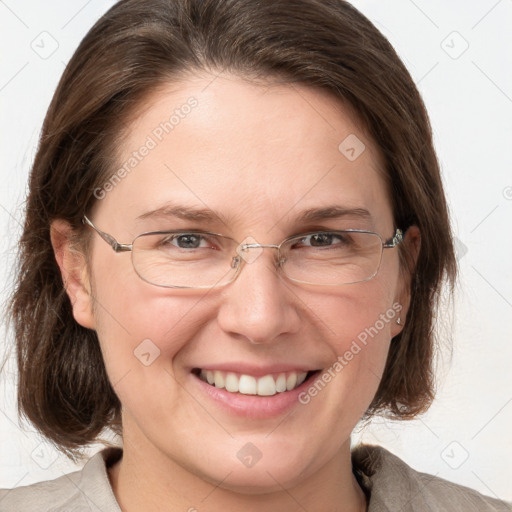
(141, 326)
(142, 334)
(358, 326)
(365, 311)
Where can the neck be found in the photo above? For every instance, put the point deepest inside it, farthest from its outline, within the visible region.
(147, 479)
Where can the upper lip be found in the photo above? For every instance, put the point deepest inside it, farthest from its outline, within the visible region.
(257, 370)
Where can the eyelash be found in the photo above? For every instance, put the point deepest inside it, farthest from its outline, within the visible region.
(307, 235)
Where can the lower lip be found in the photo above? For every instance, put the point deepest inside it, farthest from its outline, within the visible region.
(254, 406)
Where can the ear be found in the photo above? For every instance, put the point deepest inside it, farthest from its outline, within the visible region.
(411, 249)
(73, 268)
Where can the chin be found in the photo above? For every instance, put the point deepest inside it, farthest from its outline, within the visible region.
(254, 471)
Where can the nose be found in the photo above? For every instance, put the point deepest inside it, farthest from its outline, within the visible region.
(259, 305)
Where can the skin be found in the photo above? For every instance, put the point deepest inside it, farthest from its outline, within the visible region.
(257, 156)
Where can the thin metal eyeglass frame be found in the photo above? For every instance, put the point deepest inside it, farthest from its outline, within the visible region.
(117, 247)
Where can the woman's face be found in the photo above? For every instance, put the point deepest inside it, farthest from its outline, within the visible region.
(256, 158)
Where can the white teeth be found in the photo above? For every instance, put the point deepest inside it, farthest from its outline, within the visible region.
(268, 385)
(291, 381)
(219, 379)
(231, 383)
(247, 385)
(301, 377)
(281, 383)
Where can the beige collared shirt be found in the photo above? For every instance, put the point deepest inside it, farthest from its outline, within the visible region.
(390, 484)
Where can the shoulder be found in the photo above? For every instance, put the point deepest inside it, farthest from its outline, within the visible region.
(50, 495)
(85, 490)
(393, 485)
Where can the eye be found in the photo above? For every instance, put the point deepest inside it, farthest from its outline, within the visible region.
(323, 239)
(186, 241)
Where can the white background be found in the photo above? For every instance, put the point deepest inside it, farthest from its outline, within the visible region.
(466, 436)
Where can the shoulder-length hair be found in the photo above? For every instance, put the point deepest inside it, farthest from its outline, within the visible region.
(140, 45)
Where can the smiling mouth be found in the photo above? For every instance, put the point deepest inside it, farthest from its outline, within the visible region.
(266, 385)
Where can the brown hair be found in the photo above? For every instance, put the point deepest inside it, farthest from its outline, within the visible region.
(139, 45)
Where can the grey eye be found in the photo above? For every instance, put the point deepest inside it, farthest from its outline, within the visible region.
(188, 241)
(323, 240)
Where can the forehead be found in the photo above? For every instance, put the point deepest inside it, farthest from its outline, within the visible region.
(253, 153)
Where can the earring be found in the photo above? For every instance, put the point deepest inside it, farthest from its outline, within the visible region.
(399, 321)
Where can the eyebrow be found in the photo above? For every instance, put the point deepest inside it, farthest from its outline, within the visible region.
(170, 210)
(333, 212)
(182, 212)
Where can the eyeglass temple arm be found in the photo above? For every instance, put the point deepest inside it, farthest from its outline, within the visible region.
(109, 239)
(393, 242)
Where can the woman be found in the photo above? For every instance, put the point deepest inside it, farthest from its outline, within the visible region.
(269, 168)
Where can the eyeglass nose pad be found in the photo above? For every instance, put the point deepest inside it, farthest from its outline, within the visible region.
(235, 261)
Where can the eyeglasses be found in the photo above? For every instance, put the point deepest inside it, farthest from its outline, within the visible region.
(199, 259)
